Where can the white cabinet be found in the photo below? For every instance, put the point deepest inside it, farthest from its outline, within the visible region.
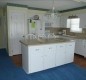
(17, 28)
(25, 58)
(60, 54)
(63, 21)
(84, 51)
(65, 53)
(82, 20)
(70, 52)
(47, 21)
(56, 22)
(80, 47)
(52, 22)
(49, 56)
(36, 58)
(32, 58)
(41, 57)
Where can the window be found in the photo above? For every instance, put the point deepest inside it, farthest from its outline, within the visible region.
(74, 24)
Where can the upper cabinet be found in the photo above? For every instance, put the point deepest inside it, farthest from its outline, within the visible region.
(56, 22)
(47, 21)
(82, 20)
(52, 21)
(63, 21)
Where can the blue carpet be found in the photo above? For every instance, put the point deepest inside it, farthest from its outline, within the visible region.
(8, 71)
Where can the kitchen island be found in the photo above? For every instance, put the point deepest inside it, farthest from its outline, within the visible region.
(38, 55)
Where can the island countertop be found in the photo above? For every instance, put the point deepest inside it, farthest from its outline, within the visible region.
(46, 41)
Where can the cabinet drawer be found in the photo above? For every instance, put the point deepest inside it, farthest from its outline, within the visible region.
(71, 44)
(35, 48)
(60, 45)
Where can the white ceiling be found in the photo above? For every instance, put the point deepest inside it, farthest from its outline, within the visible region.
(47, 4)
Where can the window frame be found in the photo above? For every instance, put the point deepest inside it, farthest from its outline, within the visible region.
(70, 24)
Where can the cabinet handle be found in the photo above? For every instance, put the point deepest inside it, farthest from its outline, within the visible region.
(50, 48)
(61, 46)
(70, 45)
(37, 49)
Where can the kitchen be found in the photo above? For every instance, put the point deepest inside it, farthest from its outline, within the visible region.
(49, 27)
(27, 22)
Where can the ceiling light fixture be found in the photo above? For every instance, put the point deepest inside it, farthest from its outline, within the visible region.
(52, 13)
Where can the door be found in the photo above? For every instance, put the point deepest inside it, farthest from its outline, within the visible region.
(49, 56)
(16, 30)
(36, 58)
(70, 52)
(60, 54)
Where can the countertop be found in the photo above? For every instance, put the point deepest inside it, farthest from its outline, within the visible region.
(46, 41)
(74, 37)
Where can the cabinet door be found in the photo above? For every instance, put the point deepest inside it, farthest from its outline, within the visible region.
(49, 56)
(63, 21)
(60, 54)
(84, 48)
(82, 20)
(25, 58)
(70, 52)
(36, 58)
(79, 47)
(56, 22)
(76, 46)
(47, 21)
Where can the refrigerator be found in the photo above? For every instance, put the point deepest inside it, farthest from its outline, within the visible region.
(36, 27)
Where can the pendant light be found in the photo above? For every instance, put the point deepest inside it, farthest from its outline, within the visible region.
(52, 13)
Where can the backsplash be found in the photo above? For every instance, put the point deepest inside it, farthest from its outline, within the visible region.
(57, 30)
(53, 30)
(75, 34)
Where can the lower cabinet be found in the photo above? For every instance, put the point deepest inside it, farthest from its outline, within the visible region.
(35, 58)
(41, 57)
(49, 56)
(60, 54)
(84, 52)
(70, 47)
(80, 47)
